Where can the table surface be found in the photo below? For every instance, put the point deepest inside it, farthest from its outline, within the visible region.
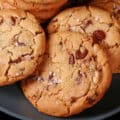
(7, 117)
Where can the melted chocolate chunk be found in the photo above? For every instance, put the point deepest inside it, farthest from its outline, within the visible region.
(60, 43)
(81, 54)
(16, 61)
(86, 24)
(13, 19)
(1, 20)
(94, 58)
(96, 94)
(98, 36)
(73, 99)
(38, 32)
(51, 75)
(116, 12)
(71, 59)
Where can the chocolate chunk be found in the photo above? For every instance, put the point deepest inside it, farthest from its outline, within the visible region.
(73, 99)
(81, 53)
(110, 24)
(94, 58)
(60, 43)
(116, 12)
(96, 94)
(23, 18)
(38, 32)
(98, 36)
(51, 75)
(18, 60)
(13, 19)
(90, 100)
(71, 59)
(1, 20)
(86, 24)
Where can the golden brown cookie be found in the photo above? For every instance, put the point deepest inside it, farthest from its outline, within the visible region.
(22, 44)
(94, 22)
(74, 76)
(42, 9)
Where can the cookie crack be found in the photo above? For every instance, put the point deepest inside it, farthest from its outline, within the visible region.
(6, 73)
(116, 45)
(38, 98)
(21, 58)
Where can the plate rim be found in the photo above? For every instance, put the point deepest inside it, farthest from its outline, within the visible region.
(22, 117)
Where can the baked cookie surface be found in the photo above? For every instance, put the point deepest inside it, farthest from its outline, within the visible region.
(5, 5)
(22, 43)
(42, 9)
(74, 77)
(113, 6)
(94, 22)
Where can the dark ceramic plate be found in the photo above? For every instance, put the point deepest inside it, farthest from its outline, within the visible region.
(14, 103)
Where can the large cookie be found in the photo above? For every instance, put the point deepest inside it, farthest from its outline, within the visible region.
(113, 6)
(42, 9)
(94, 22)
(22, 44)
(74, 76)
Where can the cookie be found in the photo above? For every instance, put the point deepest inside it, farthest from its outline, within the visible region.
(74, 76)
(94, 22)
(22, 44)
(4, 4)
(113, 6)
(42, 9)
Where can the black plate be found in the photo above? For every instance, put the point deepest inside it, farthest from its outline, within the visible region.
(14, 103)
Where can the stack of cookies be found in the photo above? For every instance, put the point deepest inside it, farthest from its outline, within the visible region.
(72, 70)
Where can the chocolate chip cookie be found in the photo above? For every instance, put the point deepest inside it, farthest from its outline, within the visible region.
(74, 76)
(113, 6)
(22, 44)
(95, 22)
(42, 9)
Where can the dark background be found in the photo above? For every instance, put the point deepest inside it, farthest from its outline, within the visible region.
(7, 117)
